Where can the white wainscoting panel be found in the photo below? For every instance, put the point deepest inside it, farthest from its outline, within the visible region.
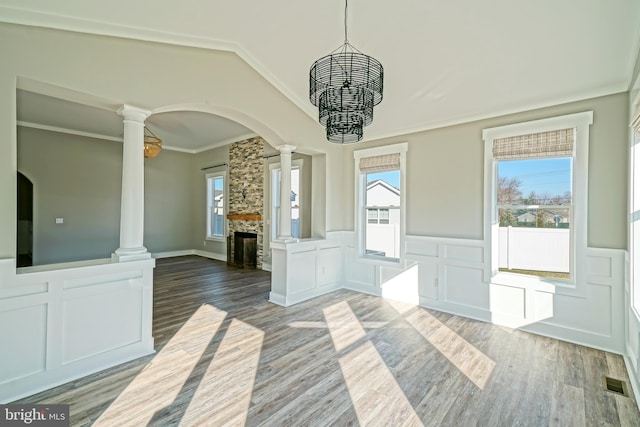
(28, 338)
(508, 301)
(450, 274)
(359, 275)
(467, 254)
(62, 323)
(89, 326)
(328, 267)
(451, 279)
(428, 278)
(463, 286)
(304, 269)
(591, 313)
(400, 283)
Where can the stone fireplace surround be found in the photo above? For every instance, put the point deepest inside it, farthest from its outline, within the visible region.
(246, 192)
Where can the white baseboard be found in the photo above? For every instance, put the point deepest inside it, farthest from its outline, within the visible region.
(633, 377)
(211, 255)
(170, 254)
(277, 299)
(185, 252)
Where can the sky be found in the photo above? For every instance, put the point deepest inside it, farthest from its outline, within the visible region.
(551, 176)
(391, 177)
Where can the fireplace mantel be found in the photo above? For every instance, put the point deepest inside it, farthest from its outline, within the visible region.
(244, 217)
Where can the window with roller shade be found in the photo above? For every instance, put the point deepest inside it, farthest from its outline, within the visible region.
(380, 216)
(534, 202)
(536, 176)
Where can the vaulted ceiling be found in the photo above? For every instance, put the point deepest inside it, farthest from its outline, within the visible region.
(444, 62)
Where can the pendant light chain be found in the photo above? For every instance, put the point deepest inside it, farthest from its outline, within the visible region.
(346, 39)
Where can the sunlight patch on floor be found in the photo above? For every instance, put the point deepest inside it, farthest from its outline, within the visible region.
(376, 396)
(224, 393)
(323, 325)
(160, 382)
(343, 325)
(474, 364)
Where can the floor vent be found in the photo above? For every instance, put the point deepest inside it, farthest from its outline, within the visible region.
(615, 386)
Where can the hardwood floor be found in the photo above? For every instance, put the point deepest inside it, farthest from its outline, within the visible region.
(226, 356)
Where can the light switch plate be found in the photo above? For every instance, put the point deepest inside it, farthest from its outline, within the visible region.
(59, 220)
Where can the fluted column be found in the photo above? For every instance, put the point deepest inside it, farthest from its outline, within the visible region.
(285, 192)
(132, 202)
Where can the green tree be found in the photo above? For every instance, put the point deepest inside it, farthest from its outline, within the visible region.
(507, 218)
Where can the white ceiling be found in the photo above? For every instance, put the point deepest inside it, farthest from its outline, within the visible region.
(444, 62)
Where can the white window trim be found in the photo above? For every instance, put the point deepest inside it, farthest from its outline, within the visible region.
(579, 222)
(360, 213)
(297, 163)
(208, 176)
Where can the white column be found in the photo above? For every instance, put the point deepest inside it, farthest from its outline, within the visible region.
(132, 203)
(285, 192)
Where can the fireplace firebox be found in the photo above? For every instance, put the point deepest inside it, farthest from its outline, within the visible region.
(242, 249)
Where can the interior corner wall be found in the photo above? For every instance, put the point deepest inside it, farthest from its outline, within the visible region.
(319, 200)
(338, 183)
(77, 179)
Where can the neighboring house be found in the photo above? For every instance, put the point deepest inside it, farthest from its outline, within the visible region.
(383, 219)
(527, 217)
(550, 217)
(383, 202)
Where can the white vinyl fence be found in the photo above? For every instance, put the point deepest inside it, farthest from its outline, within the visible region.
(384, 239)
(541, 249)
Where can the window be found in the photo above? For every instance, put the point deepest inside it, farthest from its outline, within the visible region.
(535, 197)
(296, 197)
(216, 205)
(379, 216)
(535, 211)
(380, 201)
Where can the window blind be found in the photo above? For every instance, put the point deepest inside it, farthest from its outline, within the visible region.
(385, 162)
(557, 143)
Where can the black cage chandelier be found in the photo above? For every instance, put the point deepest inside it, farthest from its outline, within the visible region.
(345, 86)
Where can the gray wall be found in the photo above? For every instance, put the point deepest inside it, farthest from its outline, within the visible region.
(205, 159)
(169, 202)
(79, 179)
(445, 174)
